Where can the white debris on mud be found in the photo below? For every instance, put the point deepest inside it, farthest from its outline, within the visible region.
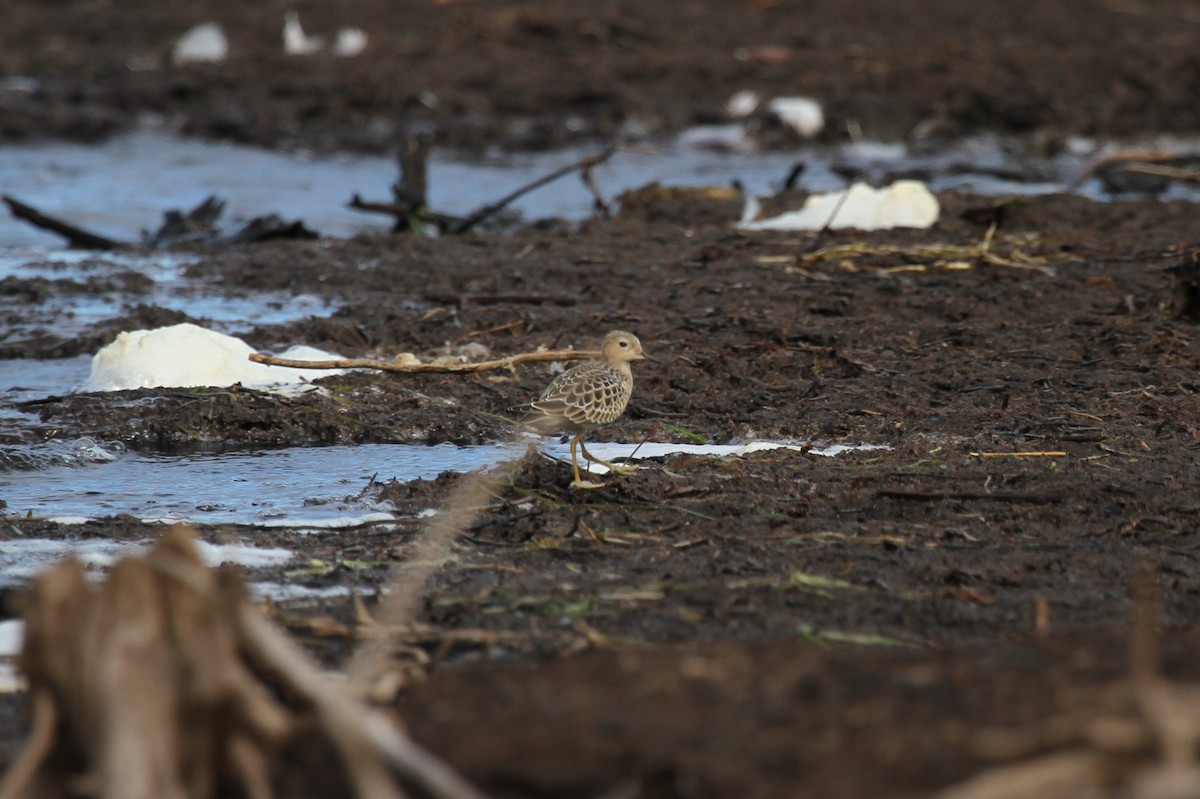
(188, 355)
(905, 203)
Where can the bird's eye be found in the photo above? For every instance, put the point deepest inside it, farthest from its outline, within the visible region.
(624, 343)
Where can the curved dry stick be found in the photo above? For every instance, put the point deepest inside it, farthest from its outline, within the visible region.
(585, 165)
(360, 733)
(41, 740)
(398, 366)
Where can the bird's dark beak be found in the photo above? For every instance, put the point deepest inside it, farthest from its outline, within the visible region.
(648, 357)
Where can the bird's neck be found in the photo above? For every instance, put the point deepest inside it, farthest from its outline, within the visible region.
(623, 368)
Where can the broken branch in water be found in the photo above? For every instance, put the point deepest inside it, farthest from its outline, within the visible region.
(584, 165)
(408, 205)
(75, 235)
(198, 224)
(412, 365)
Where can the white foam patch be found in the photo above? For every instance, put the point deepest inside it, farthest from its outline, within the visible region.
(281, 592)
(802, 114)
(731, 137)
(295, 40)
(188, 355)
(350, 42)
(608, 451)
(905, 203)
(205, 43)
(11, 680)
(242, 555)
(328, 522)
(22, 559)
(12, 637)
(742, 104)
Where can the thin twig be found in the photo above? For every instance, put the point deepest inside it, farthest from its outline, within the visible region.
(1125, 157)
(585, 164)
(436, 368)
(1175, 173)
(837, 209)
(41, 741)
(588, 176)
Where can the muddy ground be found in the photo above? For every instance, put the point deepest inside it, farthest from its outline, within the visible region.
(780, 624)
(540, 74)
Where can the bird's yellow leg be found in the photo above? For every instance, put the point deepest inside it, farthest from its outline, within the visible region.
(577, 440)
(616, 469)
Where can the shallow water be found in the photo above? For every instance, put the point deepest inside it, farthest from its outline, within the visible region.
(68, 313)
(298, 490)
(298, 487)
(123, 186)
(26, 378)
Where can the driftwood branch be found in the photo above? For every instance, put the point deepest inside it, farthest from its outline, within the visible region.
(437, 367)
(409, 203)
(359, 733)
(167, 682)
(409, 207)
(198, 224)
(75, 235)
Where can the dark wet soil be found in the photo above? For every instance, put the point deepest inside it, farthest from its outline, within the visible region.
(541, 74)
(778, 624)
(805, 591)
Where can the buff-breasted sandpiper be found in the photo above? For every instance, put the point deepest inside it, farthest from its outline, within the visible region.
(587, 396)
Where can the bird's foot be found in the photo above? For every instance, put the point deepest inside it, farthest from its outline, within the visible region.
(585, 484)
(624, 471)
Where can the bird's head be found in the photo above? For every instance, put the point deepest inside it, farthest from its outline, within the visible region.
(622, 347)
